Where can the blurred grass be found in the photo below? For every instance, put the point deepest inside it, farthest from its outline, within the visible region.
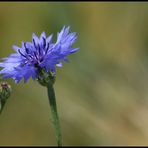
(102, 95)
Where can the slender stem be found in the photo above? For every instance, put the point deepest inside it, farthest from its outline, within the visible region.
(2, 104)
(55, 118)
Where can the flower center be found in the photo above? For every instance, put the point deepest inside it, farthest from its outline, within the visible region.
(34, 58)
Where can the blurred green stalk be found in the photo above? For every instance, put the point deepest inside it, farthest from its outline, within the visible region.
(54, 113)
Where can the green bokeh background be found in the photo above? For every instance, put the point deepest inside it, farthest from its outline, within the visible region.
(102, 95)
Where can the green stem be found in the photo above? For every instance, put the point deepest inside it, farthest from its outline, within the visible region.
(2, 104)
(55, 118)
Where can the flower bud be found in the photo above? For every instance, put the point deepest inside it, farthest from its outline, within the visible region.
(5, 91)
(45, 78)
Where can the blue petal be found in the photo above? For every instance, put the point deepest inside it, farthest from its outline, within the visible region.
(62, 34)
(15, 48)
(35, 40)
(73, 50)
(49, 39)
(43, 40)
(65, 41)
(59, 64)
(43, 35)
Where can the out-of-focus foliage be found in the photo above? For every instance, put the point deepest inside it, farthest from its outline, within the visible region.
(102, 95)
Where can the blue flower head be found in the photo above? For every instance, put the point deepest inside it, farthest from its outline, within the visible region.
(39, 54)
